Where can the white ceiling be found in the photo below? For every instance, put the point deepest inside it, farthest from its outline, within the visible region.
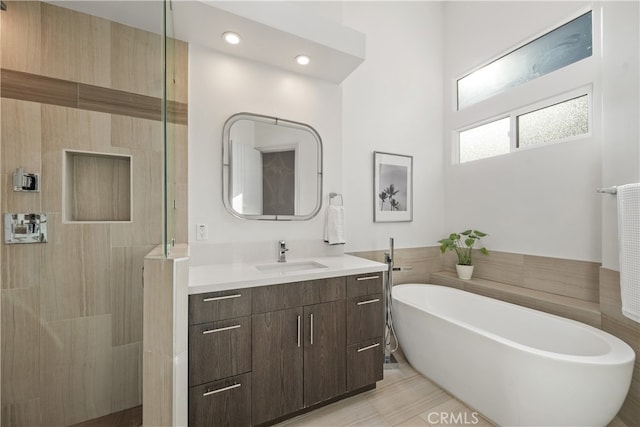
(273, 32)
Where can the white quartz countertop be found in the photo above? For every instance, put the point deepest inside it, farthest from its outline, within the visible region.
(221, 277)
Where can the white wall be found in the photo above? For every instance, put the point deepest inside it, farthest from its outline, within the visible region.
(621, 113)
(221, 85)
(393, 103)
(539, 201)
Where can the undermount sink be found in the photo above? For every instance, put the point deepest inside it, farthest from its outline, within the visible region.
(285, 267)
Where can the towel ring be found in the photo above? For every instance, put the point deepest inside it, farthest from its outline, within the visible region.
(333, 195)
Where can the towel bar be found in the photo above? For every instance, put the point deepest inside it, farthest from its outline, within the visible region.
(609, 190)
(332, 195)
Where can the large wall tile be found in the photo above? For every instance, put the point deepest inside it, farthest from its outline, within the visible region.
(97, 268)
(51, 193)
(22, 265)
(575, 279)
(136, 63)
(70, 128)
(77, 366)
(20, 135)
(127, 293)
(126, 384)
(136, 134)
(177, 70)
(20, 37)
(23, 414)
(76, 46)
(500, 267)
(146, 228)
(61, 273)
(20, 343)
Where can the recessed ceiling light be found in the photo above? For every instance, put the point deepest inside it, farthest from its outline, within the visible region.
(231, 37)
(303, 59)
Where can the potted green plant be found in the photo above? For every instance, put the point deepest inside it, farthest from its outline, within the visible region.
(463, 244)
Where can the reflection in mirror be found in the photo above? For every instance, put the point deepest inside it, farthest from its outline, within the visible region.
(272, 168)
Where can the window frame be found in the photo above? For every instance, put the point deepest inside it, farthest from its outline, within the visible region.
(513, 129)
(544, 91)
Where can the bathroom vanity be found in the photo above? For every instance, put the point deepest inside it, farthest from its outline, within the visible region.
(268, 342)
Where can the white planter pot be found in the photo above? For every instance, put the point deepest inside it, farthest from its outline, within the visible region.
(464, 271)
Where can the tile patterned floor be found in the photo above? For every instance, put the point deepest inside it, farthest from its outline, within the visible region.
(403, 398)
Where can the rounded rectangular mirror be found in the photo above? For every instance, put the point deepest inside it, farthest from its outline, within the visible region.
(271, 168)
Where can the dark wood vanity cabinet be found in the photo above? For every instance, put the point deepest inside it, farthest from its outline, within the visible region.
(220, 358)
(309, 342)
(365, 330)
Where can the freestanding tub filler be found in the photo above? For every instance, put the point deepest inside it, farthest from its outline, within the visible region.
(515, 365)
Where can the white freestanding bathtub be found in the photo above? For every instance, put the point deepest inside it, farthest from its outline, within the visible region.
(515, 365)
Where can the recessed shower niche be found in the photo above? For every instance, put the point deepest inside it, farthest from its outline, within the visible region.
(96, 187)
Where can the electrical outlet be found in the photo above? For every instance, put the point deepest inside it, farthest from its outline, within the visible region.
(202, 232)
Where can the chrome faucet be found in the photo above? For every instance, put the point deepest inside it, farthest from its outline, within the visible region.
(282, 253)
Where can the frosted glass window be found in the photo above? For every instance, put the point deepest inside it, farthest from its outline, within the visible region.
(488, 140)
(563, 46)
(553, 123)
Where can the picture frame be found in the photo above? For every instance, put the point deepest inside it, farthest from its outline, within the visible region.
(392, 187)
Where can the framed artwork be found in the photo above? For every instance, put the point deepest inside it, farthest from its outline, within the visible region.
(392, 187)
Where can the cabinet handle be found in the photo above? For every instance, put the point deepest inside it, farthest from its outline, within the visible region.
(228, 328)
(299, 318)
(367, 278)
(221, 298)
(220, 390)
(311, 319)
(369, 347)
(371, 301)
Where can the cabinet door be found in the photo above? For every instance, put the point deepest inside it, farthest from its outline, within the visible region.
(324, 354)
(277, 358)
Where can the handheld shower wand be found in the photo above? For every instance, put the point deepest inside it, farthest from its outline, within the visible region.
(389, 360)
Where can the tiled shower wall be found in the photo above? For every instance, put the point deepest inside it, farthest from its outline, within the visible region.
(72, 308)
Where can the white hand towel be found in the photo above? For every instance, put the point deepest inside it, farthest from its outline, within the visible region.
(334, 226)
(629, 248)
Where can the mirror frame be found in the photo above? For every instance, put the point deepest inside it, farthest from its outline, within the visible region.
(227, 168)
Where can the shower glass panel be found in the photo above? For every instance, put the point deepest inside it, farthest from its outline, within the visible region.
(558, 48)
(169, 54)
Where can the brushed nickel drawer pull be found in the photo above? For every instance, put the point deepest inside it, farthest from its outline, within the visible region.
(369, 347)
(299, 318)
(371, 301)
(221, 298)
(220, 390)
(367, 278)
(228, 328)
(311, 318)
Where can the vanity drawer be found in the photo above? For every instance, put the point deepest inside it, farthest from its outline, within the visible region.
(219, 350)
(364, 284)
(297, 294)
(365, 318)
(221, 403)
(214, 306)
(364, 363)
